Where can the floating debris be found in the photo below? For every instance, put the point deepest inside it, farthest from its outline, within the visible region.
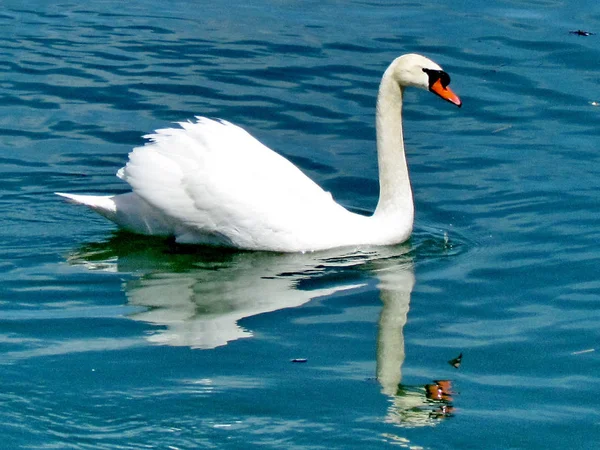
(299, 360)
(505, 127)
(581, 33)
(580, 352)
(456, 361)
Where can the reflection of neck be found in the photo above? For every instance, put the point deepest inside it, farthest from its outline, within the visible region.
(395, 294)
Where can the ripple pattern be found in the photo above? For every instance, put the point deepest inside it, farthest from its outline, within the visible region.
(504, 251)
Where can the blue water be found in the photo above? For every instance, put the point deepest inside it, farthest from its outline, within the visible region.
(114, 341)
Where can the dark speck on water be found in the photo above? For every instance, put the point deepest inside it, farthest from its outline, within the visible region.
(456, 362)
(581, 33)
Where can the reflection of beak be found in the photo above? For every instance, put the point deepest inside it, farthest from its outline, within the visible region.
(446, 93)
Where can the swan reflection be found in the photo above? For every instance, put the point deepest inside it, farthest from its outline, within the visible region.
(410, 405)
(199, 296)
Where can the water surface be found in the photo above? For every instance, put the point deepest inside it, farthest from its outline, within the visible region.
(113, 341)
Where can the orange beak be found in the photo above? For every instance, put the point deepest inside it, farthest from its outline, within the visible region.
(446, 93)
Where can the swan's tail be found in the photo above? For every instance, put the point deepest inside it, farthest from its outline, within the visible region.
(102, 204)
(128, 211)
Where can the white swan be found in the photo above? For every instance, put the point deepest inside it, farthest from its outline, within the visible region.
(210, 182)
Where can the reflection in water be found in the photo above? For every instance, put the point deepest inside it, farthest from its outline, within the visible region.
(410, 405)
(199, 295)
(201, 308)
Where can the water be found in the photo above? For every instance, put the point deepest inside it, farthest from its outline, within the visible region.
(113, 341)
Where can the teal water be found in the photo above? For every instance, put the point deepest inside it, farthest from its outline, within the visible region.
(114, 341)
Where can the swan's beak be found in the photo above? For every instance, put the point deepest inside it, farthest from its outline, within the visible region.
(446, 93)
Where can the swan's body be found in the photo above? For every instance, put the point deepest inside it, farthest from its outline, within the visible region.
(210, 182)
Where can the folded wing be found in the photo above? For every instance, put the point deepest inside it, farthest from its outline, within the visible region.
(218, 181)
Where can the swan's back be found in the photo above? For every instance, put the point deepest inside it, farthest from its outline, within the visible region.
(218, 184)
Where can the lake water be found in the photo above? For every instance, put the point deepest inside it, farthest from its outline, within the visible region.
(114, 341)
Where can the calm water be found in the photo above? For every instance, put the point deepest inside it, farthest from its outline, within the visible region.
(112, 341)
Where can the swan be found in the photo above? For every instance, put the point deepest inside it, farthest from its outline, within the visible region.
(210, 182)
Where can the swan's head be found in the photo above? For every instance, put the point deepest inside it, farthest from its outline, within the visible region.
(418, 71)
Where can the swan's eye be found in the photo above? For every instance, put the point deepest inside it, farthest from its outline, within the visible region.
(435, 75)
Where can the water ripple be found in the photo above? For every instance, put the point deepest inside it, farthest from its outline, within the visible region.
(504, 247)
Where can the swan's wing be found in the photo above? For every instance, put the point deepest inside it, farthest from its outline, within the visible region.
(215, 178)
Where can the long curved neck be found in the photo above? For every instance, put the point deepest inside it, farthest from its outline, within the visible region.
(395, 194)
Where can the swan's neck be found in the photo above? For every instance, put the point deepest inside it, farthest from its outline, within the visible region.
(395, 194)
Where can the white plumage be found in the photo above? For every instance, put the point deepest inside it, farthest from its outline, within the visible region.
(210, 182)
